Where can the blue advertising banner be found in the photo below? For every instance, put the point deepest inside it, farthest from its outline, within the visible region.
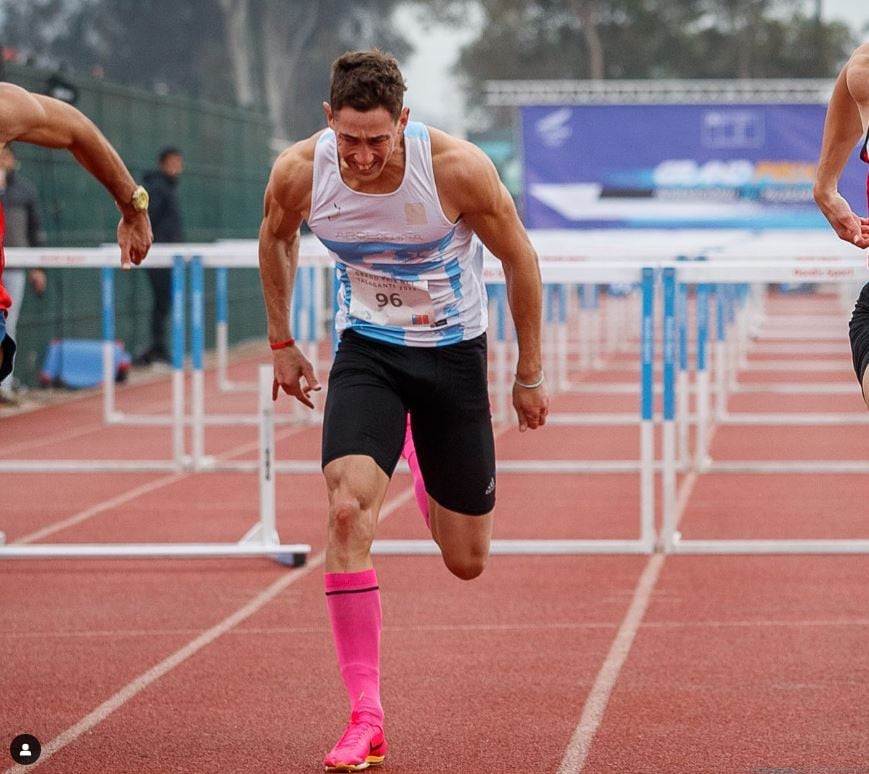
(676, 166)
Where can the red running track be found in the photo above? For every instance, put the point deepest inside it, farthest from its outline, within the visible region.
(545, 664)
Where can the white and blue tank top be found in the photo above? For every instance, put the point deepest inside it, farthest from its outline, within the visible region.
(406, 274)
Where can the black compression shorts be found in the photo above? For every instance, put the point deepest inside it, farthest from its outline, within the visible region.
(858, 330)
(372, 386)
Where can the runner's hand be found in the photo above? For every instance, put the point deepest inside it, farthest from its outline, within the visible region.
(134, 239)
(532, 406)
(845, 223)
(291, 367)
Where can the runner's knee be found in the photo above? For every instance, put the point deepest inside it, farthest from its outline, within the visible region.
(467, 564)
(349, 522)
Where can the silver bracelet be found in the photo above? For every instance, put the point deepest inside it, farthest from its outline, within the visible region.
(533, 385)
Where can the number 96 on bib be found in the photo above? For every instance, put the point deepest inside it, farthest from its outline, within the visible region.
(389, 301)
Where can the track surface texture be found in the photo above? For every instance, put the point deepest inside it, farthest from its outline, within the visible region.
(596, 663)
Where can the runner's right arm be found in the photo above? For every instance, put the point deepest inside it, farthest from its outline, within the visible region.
(286, 200)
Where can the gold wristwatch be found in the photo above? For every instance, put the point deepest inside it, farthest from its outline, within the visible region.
(139, 199)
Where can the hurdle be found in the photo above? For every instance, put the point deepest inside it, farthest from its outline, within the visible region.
(839, 272)
(308, 313)
(178, 257)
(721, 271)
(671, 540)
(706, 275)
(308, 325)
(104, 258)
(261, 539)
(560, 273)
(195, 258)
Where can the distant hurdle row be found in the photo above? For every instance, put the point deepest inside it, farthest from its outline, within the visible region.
(733, 283)
(262, 538)
(729, 279)
(194, 258)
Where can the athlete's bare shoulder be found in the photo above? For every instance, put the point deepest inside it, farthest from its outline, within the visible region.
(450, 153)
(857, 74)
(20, 112)
(465, 176)
(292, 176)
(862, 51)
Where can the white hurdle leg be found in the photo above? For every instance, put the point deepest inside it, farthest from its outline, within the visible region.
(721, 358)
(585, 327)
(267, 518)
(222, 327)
(682, 380)
(702, 386)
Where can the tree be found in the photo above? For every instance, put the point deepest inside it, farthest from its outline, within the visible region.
(236, 16)
(582, 39)
(155, 44)
(272, 53)
(588, 13)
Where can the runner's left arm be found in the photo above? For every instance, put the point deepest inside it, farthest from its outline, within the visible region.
(843, 128)
(488, 209)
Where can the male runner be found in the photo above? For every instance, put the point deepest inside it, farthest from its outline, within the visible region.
(848, 121)
(44, 121)
(400, 206)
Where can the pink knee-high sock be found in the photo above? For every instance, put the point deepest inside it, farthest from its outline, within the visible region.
(353, 599)
(409, 453)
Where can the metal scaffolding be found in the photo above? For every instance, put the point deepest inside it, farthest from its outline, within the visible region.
(656, 92)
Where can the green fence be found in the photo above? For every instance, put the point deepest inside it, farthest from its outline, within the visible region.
(226, 164)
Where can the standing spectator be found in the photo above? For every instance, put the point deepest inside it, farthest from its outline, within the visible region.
(165, 216)
(23, 229)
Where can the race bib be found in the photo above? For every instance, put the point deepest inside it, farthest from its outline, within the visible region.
(389, 301)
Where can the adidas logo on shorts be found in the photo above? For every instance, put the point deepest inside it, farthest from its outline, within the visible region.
(491, 487)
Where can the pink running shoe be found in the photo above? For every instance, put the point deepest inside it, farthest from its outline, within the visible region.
(362, 745)
(409, 453)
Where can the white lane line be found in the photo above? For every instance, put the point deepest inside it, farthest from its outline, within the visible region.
(105, 505)
(54, 439)
(168, 664)
(137, 685)
(595, 705)
(142, 489)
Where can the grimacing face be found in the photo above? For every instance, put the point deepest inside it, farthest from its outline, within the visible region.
(366, 140)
